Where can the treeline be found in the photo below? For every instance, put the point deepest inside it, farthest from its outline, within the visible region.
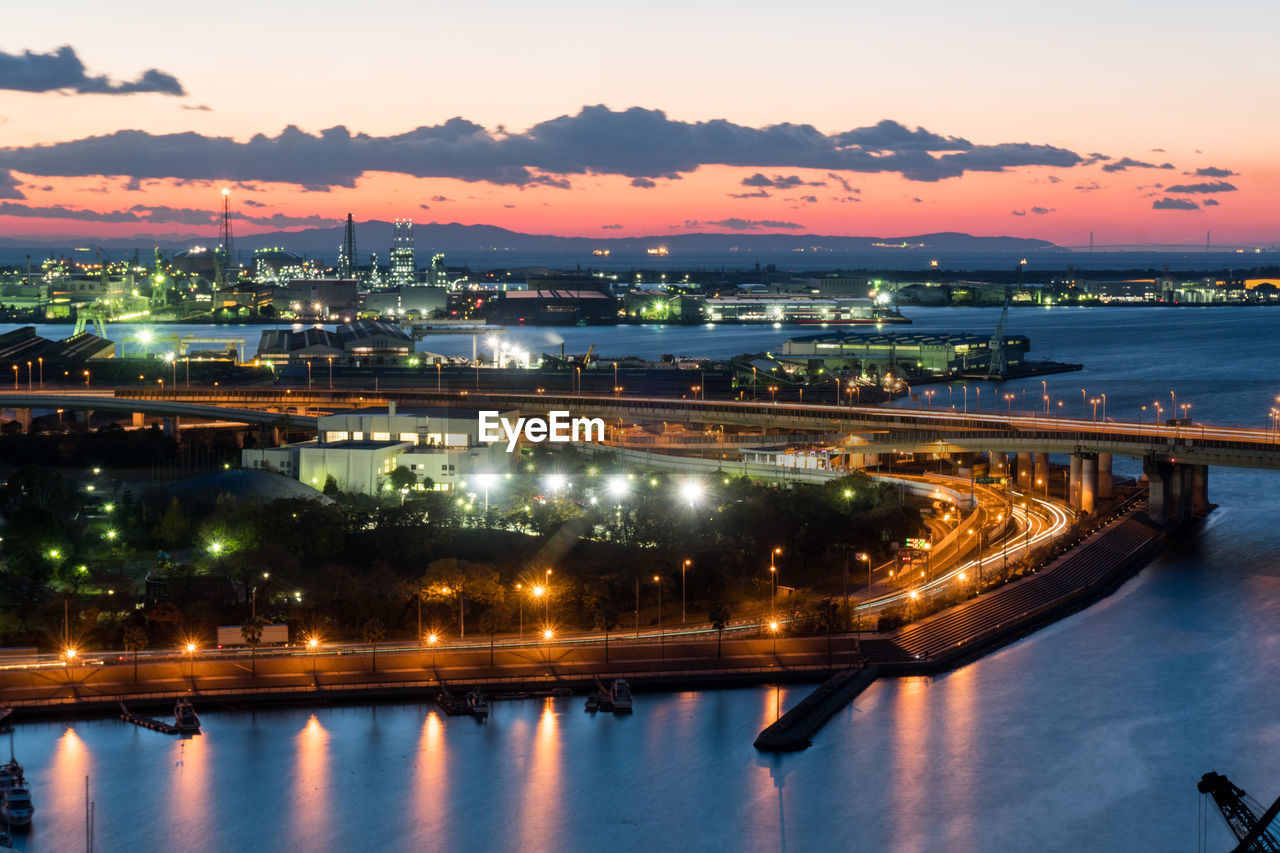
(332, 567)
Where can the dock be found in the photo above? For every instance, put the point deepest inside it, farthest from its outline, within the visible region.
(147, 722)
(450, 704)
(968, 630)
(793, 730)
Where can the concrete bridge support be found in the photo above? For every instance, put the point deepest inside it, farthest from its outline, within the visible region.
(1104, 476)
(997, 464)
(139, 419)
(172, 425)
(1073, 483)
(1088, 482)
(1177, 492)
(1024, 471)
(1042, 473)
(964, 465)
(23, 417)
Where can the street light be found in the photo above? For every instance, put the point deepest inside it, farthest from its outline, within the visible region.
(773, 629)
(547, 635)
(683, 568)
(313, 643)
(191, 656)
(432, 639)
(773, 581)
(657, 579)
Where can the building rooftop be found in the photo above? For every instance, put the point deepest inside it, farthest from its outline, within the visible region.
(899, 338)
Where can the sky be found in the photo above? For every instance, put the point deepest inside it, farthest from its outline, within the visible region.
(1139, 122)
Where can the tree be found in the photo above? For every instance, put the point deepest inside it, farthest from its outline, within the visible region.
(374, 633)
(331, 486)
(173, 529)
(251, 633)
(490, 622)
(135, 640)
(719, 621)
(606, 619)
(402, 479)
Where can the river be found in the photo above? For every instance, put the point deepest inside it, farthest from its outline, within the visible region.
(1088, 735)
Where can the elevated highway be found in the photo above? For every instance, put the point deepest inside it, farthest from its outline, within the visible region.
(1176, 457)
(874, 428)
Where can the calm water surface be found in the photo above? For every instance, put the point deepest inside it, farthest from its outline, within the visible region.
(1089, 735)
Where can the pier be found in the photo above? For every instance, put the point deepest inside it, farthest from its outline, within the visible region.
(147, 722)
(944, 641)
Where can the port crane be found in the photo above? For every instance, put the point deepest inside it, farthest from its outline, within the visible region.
(1240, 811)
(995, 362)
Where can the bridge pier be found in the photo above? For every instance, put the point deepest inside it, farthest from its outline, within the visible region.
(1177, 492)
(997, 464)
(23, 417)
(172, 424)
(1024, 471)
(1199, 490)
(139, 419)
(1088, 482)
(1073, 483)
(1104, 477)
(1042, 472)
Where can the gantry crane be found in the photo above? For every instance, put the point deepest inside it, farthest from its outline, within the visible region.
(1240, 812)
(996, 364)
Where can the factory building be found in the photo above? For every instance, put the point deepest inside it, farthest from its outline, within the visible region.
(359, 344)
(360, 448)
(551, 308)
(402, 301)
(901, 354)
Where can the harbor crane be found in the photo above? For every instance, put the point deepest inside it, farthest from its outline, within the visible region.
(1241, 814)
(996, 364)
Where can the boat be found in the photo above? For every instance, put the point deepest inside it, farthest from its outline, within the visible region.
(478, 704)
(600, 700)
(17, 808)
(184, 716)
(10, 773)
(621, 696)
(452, 705)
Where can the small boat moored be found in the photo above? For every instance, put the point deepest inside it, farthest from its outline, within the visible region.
(17, 808)
(478, 705)
(184, 716)
(620, 694)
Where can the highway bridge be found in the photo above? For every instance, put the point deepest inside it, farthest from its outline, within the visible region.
(1175, 457)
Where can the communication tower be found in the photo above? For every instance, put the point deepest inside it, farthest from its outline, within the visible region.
(224, 235)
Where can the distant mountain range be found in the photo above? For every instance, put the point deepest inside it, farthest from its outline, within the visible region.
(455, 239)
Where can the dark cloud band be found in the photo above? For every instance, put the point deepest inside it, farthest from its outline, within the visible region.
(62, 70)
(636, 143)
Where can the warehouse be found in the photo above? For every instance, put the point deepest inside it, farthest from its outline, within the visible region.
(902, 354)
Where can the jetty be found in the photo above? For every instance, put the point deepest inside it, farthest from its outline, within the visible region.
(962, 633)
(147, 722)
(793, 730)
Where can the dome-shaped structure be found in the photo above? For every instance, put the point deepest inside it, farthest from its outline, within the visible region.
(243, 484)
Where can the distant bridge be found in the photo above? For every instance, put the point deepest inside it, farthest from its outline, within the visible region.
(1175, 457)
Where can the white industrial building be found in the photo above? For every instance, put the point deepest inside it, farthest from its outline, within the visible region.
(361, 448)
